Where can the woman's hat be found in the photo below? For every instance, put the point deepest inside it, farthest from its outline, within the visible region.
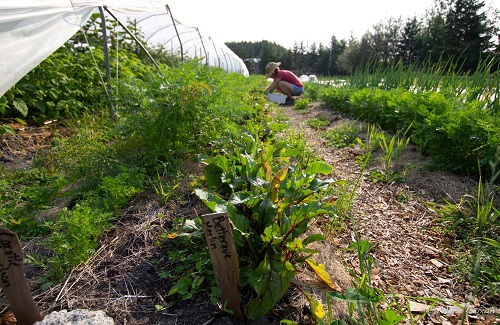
(270, 67)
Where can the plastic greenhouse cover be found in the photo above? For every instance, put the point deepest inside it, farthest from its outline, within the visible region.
(158, 29)
(31, 30)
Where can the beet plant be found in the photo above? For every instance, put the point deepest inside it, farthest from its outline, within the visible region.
(270, 202)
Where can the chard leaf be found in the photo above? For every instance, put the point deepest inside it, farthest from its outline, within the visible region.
(313, 238)
(275, 183)
(213, 202)
(319, 269)
(275, 277)
(181, 287)
(319, 167)
(213, 175)
(316, 307)
(239, 221)
(265, 212)
(240, 197)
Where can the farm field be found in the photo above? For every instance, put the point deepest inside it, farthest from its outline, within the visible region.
(160, 185)
(414, 253)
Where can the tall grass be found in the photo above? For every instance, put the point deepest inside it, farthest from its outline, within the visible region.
(474, 221)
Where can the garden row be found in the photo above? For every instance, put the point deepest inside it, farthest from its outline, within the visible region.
(461, 136)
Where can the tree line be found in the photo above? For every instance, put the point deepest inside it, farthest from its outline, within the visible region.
(460, 31)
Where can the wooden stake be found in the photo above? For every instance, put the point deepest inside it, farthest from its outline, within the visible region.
(224, 260)
(12, 279)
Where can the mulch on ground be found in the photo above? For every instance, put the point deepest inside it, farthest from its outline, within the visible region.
(413, 254)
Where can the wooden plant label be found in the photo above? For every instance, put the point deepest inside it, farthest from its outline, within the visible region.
(12, 279)
(224, 260)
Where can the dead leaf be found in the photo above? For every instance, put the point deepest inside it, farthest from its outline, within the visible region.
(417, 307)
(442, 280)
(437, 263)
(319, 269)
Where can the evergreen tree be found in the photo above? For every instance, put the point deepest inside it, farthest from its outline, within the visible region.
(434, 38)
(468, 32)
(299, 64)
(385, 39)
(286, 60)
(410, 43)
(355, 54)
(322, 61)
(256, 55)
(295, 56)
(311, 61)
(268, 54)
(335, 50)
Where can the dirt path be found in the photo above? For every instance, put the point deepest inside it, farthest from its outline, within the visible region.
(413, 253)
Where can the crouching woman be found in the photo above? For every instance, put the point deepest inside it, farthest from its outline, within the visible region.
(284, 81)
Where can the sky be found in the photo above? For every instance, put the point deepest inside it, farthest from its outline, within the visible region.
(287, 22)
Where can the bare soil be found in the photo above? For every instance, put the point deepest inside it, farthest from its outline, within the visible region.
(414, 254)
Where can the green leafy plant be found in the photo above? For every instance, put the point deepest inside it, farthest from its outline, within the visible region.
(386, 177)
(487, 273)
(477, 214)
(193, 267)
(487, 266)
(270, 203)
(165, 189)
(74, 238)
(23, 193)
(486, 213)
(302, 103)
(69, 83)
(438, 119)
(342, 136)
(392, 149)
(53, 89)
(317, 123)
(313, 91)
(89, 153)
(473, 220)
(7, 129)
(117, 191)
(96, 166)
(364, 298)
(75, 232)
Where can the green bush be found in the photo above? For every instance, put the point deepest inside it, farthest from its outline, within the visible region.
(71, 81)
(65, 84)
(22, 194)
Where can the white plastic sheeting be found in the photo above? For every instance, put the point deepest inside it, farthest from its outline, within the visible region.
(31, 30)
(158, 28)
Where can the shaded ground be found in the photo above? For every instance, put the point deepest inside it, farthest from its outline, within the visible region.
(122, 278)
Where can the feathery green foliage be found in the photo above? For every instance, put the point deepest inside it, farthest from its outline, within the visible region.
(467, 127)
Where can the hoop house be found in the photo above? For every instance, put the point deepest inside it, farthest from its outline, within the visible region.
(31, 30)
(162, 28)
